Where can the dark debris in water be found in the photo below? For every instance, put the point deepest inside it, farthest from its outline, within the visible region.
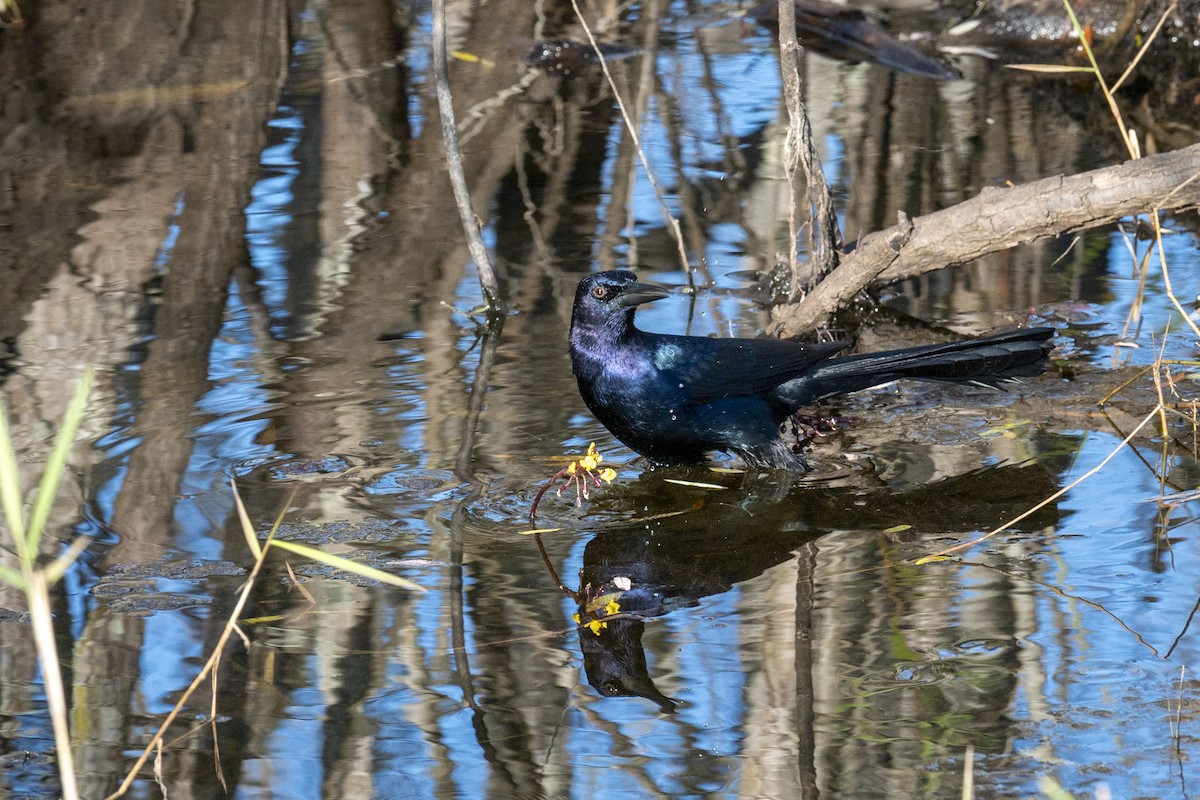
(367, 531)
(12, 615)
(300, 469)
(133, 588)
(179, 569)
(849, 35)
(161, 601)
(143, 597)
(565, 57)
(369, 558)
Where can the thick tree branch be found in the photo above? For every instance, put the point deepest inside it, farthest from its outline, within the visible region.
(997, 219)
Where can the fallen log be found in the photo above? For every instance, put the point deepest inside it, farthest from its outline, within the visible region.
(997, 219)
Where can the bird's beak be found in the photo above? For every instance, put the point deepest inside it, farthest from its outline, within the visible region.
(634, 294)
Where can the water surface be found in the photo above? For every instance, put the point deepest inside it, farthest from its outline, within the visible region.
(260, 255)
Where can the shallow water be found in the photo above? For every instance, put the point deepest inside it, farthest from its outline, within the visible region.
(270, 278)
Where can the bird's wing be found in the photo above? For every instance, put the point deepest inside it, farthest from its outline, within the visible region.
(714, 368)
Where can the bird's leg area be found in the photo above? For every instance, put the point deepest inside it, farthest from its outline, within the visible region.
(803, 428)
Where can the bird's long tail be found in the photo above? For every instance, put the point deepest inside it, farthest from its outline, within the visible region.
(988, 361)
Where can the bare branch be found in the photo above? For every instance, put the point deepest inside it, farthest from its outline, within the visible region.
(997, 219)
(454, 164)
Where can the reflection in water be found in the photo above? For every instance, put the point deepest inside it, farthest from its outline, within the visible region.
(648, 569)
(239, 216)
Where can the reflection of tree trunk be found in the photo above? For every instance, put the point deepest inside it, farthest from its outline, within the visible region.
(352, 103)
(806, 734)
(174, 115)
(106, 663)
(410, 264)
(218, 160)
(20, 695)
(165, 123)
(773, 690)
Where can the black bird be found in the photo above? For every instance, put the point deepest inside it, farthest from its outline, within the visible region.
(675, 399)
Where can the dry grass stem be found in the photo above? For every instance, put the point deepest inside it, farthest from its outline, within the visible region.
(42, 621)
(212, 721)
(209, 667)
(232, 627)
(672, 222)
(940, 554)
(1127, 137)
(1146, 44)
(968, 786)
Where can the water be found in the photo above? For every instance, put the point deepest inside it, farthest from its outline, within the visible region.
(270, 278)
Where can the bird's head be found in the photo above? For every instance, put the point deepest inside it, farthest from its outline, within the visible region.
(609, 298)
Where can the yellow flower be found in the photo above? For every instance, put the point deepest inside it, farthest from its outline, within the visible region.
(596, 626)
(575, 617)
(612, 608)
(591, 459)
(608, 474)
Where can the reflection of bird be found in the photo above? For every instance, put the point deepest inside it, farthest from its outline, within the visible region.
(674, 399)
(847, 34)
(615, 662)
(646, 571)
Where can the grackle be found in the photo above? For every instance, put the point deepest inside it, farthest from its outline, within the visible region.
(675, 399)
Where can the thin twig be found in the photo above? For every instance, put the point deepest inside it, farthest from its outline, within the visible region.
(789, 67)
(672, 223)
(964, 545)
(212, 717)
(1066, 595)
(454, 165)
(489, 337)
(1146, 44)
(209, 667)
(1186, 625)
(1166, 273)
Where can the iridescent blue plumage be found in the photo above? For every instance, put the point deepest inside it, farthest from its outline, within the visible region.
(674, 399)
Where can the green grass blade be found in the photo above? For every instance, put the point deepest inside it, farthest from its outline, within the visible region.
(10, 488)
(58, 461)
(244, 519)
(1081, 35)
(12, 576)
(337, 562)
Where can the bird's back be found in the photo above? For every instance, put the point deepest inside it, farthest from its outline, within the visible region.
(675, 399)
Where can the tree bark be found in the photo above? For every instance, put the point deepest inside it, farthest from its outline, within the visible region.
(997, 219)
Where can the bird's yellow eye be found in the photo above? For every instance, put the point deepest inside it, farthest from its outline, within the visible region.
(599, 292)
